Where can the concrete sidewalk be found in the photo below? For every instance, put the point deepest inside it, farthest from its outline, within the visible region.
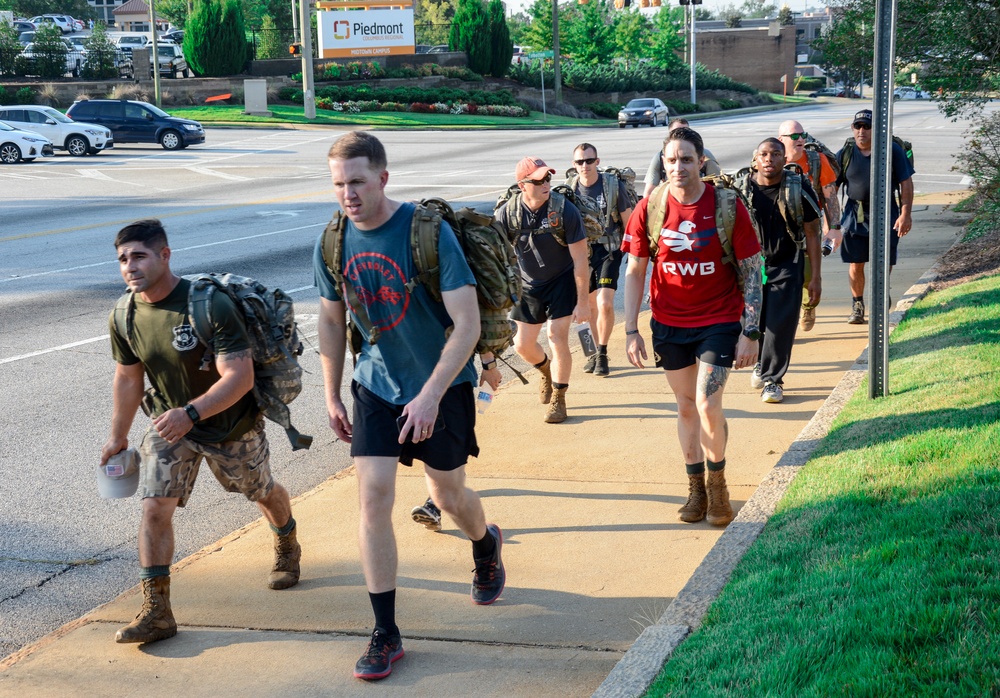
(592, 545)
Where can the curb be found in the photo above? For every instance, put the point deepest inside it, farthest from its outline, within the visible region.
(640, 666)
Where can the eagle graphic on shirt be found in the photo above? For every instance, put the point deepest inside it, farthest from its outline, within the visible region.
(688, 238)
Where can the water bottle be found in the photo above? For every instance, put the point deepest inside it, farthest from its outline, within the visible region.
(827, 246)
(484, 398)
(586, 339)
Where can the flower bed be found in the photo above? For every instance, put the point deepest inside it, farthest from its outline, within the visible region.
(357, 106)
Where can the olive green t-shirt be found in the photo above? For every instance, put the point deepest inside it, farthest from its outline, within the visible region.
(164, 342)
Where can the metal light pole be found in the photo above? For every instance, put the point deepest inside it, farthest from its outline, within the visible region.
(880, 215)
(155, 58)
(555, 52)
(694, 60)
(308, 96)
(295, 24)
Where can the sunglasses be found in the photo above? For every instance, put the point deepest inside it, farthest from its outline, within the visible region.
(586, 161)
(794, 136)
(538, 182)
(861, 127)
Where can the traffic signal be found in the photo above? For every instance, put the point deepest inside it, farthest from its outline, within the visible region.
(689, 2)
(295, 49)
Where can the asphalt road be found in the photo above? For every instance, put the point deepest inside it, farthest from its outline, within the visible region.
(251, 202)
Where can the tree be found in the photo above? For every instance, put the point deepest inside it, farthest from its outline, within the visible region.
(215, 38)
(470, 32)
(432, 21)
(785, 16)
(273, 42)
(501, 47)
(732, 16)
(632, 35)
(518, 24)
(101, 51)
(10, 48)
(75, 8)
(954, 40)
(174, 11)
(539, 34)
(758, 9)
(668, 39)
(589, 37)
(842, 46)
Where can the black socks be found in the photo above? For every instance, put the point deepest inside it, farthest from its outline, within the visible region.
(384, 607)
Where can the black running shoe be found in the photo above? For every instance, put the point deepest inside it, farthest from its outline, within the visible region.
(382, 651)
(601, 365)
(428, 515)
(488, 578)
(591, 362)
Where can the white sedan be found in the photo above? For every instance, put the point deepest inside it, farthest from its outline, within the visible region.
(909, 93)
(17, 146)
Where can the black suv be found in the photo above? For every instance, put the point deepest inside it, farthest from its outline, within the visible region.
(138, 122)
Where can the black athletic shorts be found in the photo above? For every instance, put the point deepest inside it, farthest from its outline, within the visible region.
(604, 267)
(854, 249)
(376, 434)
(553, 299)
(678, 347)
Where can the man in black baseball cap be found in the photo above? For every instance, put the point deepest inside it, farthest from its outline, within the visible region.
(855, 161)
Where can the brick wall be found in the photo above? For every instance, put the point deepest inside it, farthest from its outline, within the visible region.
(757, 56)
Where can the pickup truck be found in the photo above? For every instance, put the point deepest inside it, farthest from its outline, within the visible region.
(171, 60)
(127, 42)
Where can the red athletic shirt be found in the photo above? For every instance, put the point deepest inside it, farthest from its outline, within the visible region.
(691, 287)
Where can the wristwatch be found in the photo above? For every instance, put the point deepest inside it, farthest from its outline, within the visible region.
(752, 335)
(489, 365)
(192, 413)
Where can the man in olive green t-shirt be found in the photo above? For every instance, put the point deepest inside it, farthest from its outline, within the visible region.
(198, 412)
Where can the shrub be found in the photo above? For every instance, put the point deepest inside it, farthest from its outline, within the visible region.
(983, 159)
(273, 42)
(616, 78)
(470, 32)
(10, 49)
(25, 95)
(49, 54)
(214, 38)
(605, 109)
(681, 107)
(725, 104)
(101, 53)
(501, 47)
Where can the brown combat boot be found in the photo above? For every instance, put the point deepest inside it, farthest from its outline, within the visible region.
(720, 513)
(155, 620)
(694, 509)
(287, 553)
(545, 386)
(557, 408)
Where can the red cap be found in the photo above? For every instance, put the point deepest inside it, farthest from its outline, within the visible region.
(531, 168)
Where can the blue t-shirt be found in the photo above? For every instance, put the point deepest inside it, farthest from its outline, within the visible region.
(378, 263)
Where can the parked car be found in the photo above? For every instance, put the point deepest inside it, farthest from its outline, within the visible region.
(76, 137)
(65, 26)
(22, 146)
(138, 122)
(440, 48)
(74, 59)
(647, 110)
(834, 92)
(172, 61)
(907, 92)
(127, 42)
(177, 36)
(23, 25)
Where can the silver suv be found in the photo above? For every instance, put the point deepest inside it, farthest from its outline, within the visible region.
(75, 137)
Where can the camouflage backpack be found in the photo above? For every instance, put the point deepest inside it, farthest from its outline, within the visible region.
(487, 251)
(590, 211)
(269, 317)
(789, 202)
(726, 196)
(613, 175)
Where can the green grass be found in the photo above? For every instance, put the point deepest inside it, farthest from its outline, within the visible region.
(879, 574)
(294, 114)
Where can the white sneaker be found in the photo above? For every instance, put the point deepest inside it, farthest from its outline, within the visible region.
(756, 380)
(772, 393)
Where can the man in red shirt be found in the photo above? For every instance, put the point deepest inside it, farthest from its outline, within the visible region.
(703, 324)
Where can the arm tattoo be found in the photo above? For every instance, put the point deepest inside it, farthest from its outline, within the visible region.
(236, 355)
(711, 379)
(752, 291)
(832, 205)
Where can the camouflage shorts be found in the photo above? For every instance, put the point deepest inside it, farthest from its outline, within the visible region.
(243, 465)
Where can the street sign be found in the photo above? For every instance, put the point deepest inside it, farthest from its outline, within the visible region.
(540, 54)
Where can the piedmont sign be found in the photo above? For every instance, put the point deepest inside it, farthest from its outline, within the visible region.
(365, 33)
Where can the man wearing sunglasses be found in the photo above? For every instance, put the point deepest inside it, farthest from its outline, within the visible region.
(817, 167)
(551, 246)
(857, 182)
(605, 254)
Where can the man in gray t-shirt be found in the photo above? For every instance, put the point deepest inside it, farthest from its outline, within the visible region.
(551, 245)
(605, 254)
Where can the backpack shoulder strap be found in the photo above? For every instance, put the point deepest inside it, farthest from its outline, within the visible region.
(845, 159)
(815, 160)
(333, 256)
(122, 317)
(425, 231)
(200, 298)
(656, 213)
(557, 216)
(725, 221)
(610, 181)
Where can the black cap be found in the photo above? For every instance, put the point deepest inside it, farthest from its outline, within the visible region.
(864, 116)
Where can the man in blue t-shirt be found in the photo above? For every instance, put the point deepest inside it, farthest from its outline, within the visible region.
(857, 180)
(412, 387)
(551, 246)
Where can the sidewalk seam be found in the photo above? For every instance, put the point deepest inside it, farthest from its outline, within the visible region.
(647, 656)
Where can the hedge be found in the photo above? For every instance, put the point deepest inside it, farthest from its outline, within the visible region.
(404, 95)
(616, 78)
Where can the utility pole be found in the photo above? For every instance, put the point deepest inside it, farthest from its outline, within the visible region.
(295, 24)
(555, 51)
(155, 58)
(308, 95)
(693, 53)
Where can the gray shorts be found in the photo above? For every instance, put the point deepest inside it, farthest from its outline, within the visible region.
(170, 470)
